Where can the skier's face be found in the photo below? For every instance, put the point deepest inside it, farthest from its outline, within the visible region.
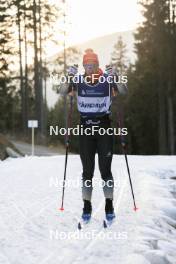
(90, 68)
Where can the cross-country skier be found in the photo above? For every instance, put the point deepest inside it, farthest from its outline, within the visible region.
(94, 97)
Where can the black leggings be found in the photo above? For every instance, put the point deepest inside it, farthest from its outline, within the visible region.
(103, 145)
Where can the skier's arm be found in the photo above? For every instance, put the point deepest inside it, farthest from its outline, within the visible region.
(69, 87)
(72, 89)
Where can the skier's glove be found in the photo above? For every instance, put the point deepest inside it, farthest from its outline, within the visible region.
(110, 70)
(73, 70)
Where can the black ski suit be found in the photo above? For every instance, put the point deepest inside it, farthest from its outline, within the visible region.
(103, 146)
(89, 145)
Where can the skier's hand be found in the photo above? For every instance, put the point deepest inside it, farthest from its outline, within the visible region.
(110, 70)
(73, 70)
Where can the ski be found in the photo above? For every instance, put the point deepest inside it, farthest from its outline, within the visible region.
(83, 223)
(107, 223)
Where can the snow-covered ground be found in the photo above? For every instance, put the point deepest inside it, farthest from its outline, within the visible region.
(35, 231)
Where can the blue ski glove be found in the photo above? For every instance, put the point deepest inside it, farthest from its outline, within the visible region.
(64, 87)
(110, 70)
(73, 70)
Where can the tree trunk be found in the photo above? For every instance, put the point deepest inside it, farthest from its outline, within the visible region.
(41, 71)
(171, 138)
(171, 64)
(162, 121)
(37, 86)
(26, 72)
(21, 70)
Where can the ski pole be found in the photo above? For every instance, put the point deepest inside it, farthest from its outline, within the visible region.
(124, 150)
(67, 143)
(126, 159)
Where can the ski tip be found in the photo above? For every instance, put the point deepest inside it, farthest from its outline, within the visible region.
(105, 224)
(61, 209)
(79, 226)
(135, 209)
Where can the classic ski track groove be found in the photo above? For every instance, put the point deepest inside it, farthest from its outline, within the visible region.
(89, 244)
(94, 240)
(77, 254)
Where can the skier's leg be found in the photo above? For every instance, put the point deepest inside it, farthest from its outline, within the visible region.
(87, 154)
(105, 153)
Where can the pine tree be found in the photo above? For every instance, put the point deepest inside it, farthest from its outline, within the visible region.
(153, 68)
(118, 58)
(34, 17)
(7, 98)
(119, 62)
(171, 31)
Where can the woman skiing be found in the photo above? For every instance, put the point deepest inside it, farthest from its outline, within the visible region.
(94, 98)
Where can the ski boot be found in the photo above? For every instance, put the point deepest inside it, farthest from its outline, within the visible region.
(109, 210)
(87, 210)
